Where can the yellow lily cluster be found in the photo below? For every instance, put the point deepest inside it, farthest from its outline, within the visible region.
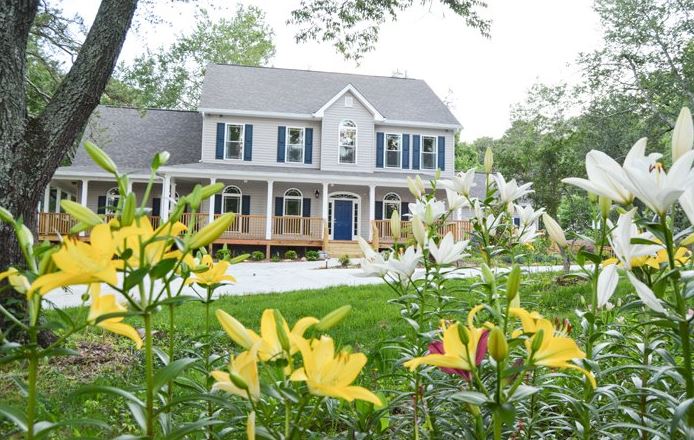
(682, 256)
(106, 304)
(215, 273)
(325, 372)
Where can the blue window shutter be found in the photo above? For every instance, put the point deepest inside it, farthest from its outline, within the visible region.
(405, 151)
(281, 142)
(217, 203)
(306, 208)
(415, 151)
(379, 210)
(442, 153)
(248, 142)
(308, 145)
(156, 206)
(279, 206)
(219, 152)
(101, 205)
(379, 150)
(245, 205)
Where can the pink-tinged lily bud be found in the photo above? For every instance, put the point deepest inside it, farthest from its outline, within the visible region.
(488, 160)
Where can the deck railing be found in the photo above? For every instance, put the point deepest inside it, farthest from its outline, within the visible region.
(249, 227)
(297, 228)
(459, 228)
(52, 224)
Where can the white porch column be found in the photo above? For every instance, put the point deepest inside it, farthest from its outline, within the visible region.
(372, 209)
(46, 197)
(268, 212)
(210, 214)
(84, 189)
(129, 188)
(57, 199)
(325, 201)
(164, 203)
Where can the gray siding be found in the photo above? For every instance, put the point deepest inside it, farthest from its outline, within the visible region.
(450, 147)
(335, 114)
(264, 139)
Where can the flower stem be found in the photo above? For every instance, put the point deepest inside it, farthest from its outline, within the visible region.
(31, 403)
(149, 376)
(171, 347)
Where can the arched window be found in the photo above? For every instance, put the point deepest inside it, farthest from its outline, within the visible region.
(112, 198)
(231, 199)
(293, 202)
(391, 202)
(347, 139)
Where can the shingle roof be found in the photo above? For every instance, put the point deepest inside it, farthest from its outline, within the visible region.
(132, 136)
(264, 89)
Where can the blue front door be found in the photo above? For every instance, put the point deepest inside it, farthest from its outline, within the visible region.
(342, 223)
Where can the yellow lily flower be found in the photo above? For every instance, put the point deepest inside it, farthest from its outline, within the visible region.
(104, 305)
(81, 263)
(215, 274)
(158, 244)
(245, 367)
(456, 357)
(555, 351)
(328, 375)
(19, 282)
(270, 348)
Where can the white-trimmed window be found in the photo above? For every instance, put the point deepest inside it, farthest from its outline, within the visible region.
(293, 202)
(231, 199)
(391, 203)
(295, 144)
(347, 139)
(393, 150)
(429, 149)
(234, 142)
(112, 199)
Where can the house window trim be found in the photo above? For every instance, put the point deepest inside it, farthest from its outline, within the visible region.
(385, 151)
(241, 140)
(356, 142)
(286, 145)
(300, 198)
(112, 195)
(390, 202)
(435, 153)
(238, 195)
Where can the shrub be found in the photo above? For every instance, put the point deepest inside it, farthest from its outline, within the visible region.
(275, 259)
(290, 255)
(344, 260)
(312, 255)
(223, 253)
(257, 255)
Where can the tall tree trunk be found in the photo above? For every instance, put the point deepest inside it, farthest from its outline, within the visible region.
(32, 148)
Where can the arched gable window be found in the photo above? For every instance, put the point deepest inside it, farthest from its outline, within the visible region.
(293, 202)
(112, 199)
(347, 139)
(231, 199)
(391, 202)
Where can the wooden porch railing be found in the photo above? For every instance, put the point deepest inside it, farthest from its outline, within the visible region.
(297, 228)
(52, 224)
(459, 228)
(249, 227)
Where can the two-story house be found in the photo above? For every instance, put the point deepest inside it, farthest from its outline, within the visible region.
(309, 159)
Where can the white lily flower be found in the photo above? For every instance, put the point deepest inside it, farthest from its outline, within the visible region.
(526, 235)
(527, 215)
(510, 191)
(419, 232)
(646, 294)
(455, 200)
(687, 203)
(605, 175)
(429, 211)
(477, 210)
(607, 284)
(656, 188)
(416, 186)
(490, 223)
(555, 232)
(404, 265)
(448, 251)
(620, 240)
(373, 263)
(462, 183)
(682, 135)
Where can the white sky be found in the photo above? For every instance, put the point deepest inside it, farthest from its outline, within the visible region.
(532, 40)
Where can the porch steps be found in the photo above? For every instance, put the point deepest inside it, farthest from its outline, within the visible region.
(338, 248)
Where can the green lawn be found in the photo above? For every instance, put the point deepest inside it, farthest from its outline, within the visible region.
(110, 360)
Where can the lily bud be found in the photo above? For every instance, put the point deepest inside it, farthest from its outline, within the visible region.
(24, 236)
(513, 284)
(282, 335)
(682, 135)
(208, 191)
(498, 347)
(416, 186)
(463, 334)
(488, 160)
(395, 225)
(537, 340)
(128, 214)
(6, 216)
(333, 318)
(555, 232)
(605, 206)
(211, 232)
(419, 232)
(488, 275)
(160, 159)
(80, 213)
(100, 157)
(237, 380)
(236, 331)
